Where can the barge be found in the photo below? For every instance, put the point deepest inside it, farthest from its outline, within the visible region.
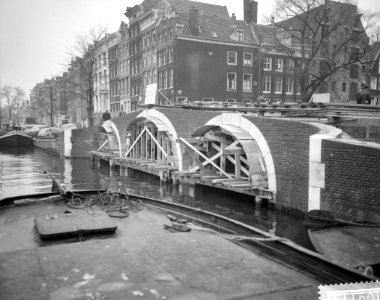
(151, 250)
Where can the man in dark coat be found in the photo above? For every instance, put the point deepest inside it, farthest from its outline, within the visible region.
(364, 96)
(106, 115)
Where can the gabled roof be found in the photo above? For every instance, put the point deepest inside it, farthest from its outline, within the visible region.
(265, 34)
(335, 11)
(214, 21)
(205, 9)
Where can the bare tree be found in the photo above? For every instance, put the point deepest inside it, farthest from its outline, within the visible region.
(13, 95)
(320, 35)
(85, 51)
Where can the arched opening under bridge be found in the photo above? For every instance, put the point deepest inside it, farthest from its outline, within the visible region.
(109, 139)
(230, 152)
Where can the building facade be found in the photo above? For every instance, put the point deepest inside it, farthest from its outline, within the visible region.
(101, 77)
(125, 99)
(113, 66)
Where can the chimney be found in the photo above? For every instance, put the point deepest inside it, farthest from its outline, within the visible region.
(233, 17)
(194, 21)
(250, 11)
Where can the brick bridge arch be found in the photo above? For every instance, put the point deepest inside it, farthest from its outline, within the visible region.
(246, 126)
(288, 147)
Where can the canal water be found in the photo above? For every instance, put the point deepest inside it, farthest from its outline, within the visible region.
(22, 172)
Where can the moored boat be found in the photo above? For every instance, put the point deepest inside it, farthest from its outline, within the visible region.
(16, 139)
(352, 246)
(66, 246)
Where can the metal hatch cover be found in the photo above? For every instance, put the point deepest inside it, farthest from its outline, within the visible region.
(72, 224)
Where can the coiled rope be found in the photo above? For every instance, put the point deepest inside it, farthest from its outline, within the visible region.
(116, 204)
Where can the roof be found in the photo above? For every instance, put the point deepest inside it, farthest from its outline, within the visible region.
(205, 9)
(265, 34)
(214, 21)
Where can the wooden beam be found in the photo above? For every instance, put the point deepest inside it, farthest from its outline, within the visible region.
(157, 143)
(211, 137)
(105, 143)
(134, 143)
(234, 151)
(205, 157)
(208, 161)
(237, 166)
(221, 180)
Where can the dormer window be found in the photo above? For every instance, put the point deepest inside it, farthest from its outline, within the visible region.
(240, 35)
(179, 28)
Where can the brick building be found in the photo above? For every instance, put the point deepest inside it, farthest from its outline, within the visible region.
(125, 100)
(193, 52)
(337, 46)
(113, 67)
(277, 78)
(374, 72)
(101, 77)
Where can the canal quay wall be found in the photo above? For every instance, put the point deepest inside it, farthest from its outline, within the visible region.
(297, 165)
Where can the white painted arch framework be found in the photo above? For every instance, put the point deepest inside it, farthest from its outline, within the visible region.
(245, 127)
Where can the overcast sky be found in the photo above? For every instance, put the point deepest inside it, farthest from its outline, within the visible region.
(35, 34)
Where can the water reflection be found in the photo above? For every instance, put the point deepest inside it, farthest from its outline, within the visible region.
(23, 173)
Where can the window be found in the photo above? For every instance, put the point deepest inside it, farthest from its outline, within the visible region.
(154, 75)
(231, 81)
(160, 83)
(267, 63)
(159, 38)
(354, 71)
(170, 55)
(247, 82)
(354, 54)
(149, 59)
(165, 79)
(289, 85)
(247, 59)
(179, 28)
(232, 58)
(278, 64)
(171, 78)
(343, 87)
(247, 102)
(240, 35)
(290, 65)
(267, 84)
(182, 99)
(278, 85)
(285, 40)
(298, 87)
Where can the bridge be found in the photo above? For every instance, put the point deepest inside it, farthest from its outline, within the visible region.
(298, 164)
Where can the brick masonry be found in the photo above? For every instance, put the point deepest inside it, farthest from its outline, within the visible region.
(352, 185)
(352, 169)
(289, 144)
